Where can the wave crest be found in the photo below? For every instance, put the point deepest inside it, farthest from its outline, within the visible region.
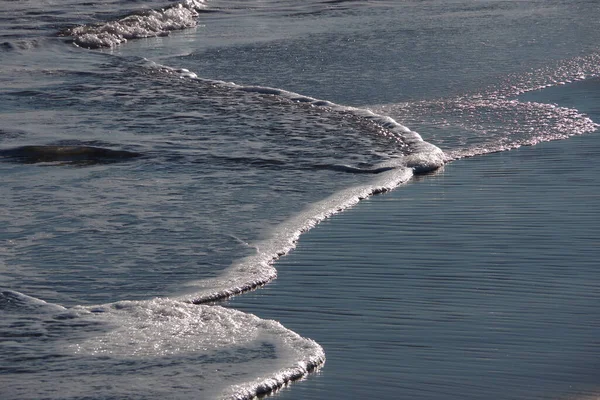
(151, 23)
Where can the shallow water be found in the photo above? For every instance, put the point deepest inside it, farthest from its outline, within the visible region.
(251, 122)
(478, 282)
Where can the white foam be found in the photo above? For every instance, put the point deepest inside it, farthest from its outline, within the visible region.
(11, 299)
(158, 348)
(565, 71)
(257, 270)
(151, 23)
(168, 329)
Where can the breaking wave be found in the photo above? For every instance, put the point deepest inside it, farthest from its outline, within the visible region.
(145, 24)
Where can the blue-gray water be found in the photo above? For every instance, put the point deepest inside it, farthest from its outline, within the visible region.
(155, 155)
(479, 282)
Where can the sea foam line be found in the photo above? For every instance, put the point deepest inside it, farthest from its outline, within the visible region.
(180, 328)
(421, 156)
(418, 156)
(257, 270)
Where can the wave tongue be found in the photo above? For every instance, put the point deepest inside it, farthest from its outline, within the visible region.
(159, 348)
(417, 154)
(233, 343)
(151, 23)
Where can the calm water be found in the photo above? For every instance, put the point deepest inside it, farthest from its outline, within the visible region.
(157, 155)
(479, 282)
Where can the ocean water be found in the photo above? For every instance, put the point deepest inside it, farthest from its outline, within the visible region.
(157, 158)
(478, 282)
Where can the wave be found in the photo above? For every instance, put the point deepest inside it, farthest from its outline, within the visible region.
(145, 336)
(414, 156)
(257, 270)
(152, 23)
(20, 45)
(505, 116)
(416, 153)
(165, 327)
(118, 339)
(474, 126)
(11, 300)
(246, 355)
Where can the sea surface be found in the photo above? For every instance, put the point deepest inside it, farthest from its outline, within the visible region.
(158, 158)
(478, 282)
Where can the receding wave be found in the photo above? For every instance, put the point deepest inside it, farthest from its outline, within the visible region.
(417, 154)
(507, 116)
(411, 155)
(256, 270)
(353, 170)
(475, 126)
(247, 356)
(153, 334)
(144, 24)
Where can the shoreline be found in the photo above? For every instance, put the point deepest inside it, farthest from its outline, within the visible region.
(347, 276)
